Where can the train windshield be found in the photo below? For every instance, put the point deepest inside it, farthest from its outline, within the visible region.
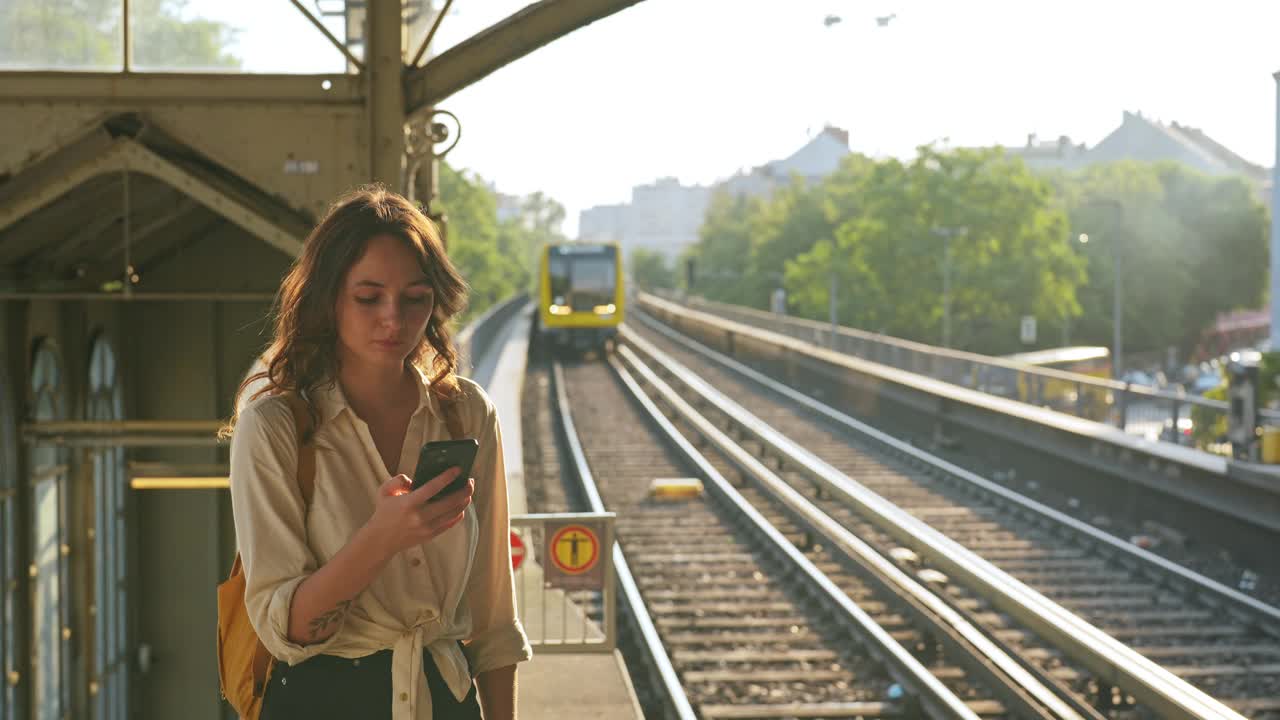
(583, 277)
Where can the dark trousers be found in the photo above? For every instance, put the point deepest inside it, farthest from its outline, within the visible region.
(327, 687)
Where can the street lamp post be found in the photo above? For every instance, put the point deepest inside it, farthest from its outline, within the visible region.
(1117, 308)
(946, 234)
(832, 310)
(1117, 285)
(1275, 232)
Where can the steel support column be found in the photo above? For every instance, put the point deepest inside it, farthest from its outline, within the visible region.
(1275, 231)
(383, 67)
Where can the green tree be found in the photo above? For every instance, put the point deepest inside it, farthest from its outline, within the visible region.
(1225, 240)
(721, 256)
(522, 237)
(1191, 246)
(788, 224)
(1009, 254)
(542, 214)
(87, 34)
(497, 259)
(473, 239)
(163, 39)
(650, 270)
(745, 242)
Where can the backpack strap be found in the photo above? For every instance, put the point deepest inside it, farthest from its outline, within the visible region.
(304, 426)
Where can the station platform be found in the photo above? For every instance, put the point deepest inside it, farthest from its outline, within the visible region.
(552, 686)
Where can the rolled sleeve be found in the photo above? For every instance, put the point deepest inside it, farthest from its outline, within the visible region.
(270, 519)
(497, 638)
(282, 648)
(498, 647)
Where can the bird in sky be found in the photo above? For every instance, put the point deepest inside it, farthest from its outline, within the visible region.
(884, 20)
(830, 20)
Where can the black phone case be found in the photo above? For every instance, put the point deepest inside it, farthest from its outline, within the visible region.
(436, 457)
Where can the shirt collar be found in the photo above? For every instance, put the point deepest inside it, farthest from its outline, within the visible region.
(330, 400)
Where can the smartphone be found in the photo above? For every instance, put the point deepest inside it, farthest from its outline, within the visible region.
(436, 457)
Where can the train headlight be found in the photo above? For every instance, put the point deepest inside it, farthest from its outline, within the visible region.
(559, 310)
(606, 309)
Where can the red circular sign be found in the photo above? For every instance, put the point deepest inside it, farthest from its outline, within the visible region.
(517, 551)
(574, 549)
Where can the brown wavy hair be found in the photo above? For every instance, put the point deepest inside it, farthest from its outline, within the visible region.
(303, 353)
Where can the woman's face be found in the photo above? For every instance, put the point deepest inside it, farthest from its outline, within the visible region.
(383, 306)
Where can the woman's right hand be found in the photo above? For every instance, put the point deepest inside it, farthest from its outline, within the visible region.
(403, 518)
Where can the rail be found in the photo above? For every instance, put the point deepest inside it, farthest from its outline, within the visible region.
(1162, 415)
(650, 642)
(1017, 687)
(1221, 595)
(1251, 493)
(1165, 693)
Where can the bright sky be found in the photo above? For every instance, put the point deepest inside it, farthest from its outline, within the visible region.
(697, 89)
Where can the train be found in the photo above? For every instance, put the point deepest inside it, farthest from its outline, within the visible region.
(581, 295)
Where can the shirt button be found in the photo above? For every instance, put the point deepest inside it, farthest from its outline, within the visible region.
(415, 562)
(404, 697)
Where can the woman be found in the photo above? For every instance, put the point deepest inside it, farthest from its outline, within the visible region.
(375, 603)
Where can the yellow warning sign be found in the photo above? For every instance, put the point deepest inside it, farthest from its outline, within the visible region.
(575, 549)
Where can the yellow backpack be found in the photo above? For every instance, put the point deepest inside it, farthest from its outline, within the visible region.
(244, 664)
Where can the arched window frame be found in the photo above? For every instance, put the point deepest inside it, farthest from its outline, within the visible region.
(49, 686)
(109, 668)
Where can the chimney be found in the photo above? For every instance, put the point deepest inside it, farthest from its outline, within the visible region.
(839, 134)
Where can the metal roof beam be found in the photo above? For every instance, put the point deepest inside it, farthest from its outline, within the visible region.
(126, 154)
(42, 186)
(181, 88)
(509, 40)
(141, 159)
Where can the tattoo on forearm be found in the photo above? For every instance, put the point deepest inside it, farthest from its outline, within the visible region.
(320, 624)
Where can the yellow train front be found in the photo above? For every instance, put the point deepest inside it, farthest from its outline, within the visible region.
(580, 294)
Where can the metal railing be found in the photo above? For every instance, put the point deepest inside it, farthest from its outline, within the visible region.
(1164, 415)
(474, 340)
(559, 620)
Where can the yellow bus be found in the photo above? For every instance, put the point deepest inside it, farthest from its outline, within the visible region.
(1081, 359)
(1062, 393)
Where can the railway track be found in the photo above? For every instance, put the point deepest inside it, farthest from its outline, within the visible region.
(1221, 642)
(755, 617)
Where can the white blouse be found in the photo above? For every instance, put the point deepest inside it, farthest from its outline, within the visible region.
(459, 586)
